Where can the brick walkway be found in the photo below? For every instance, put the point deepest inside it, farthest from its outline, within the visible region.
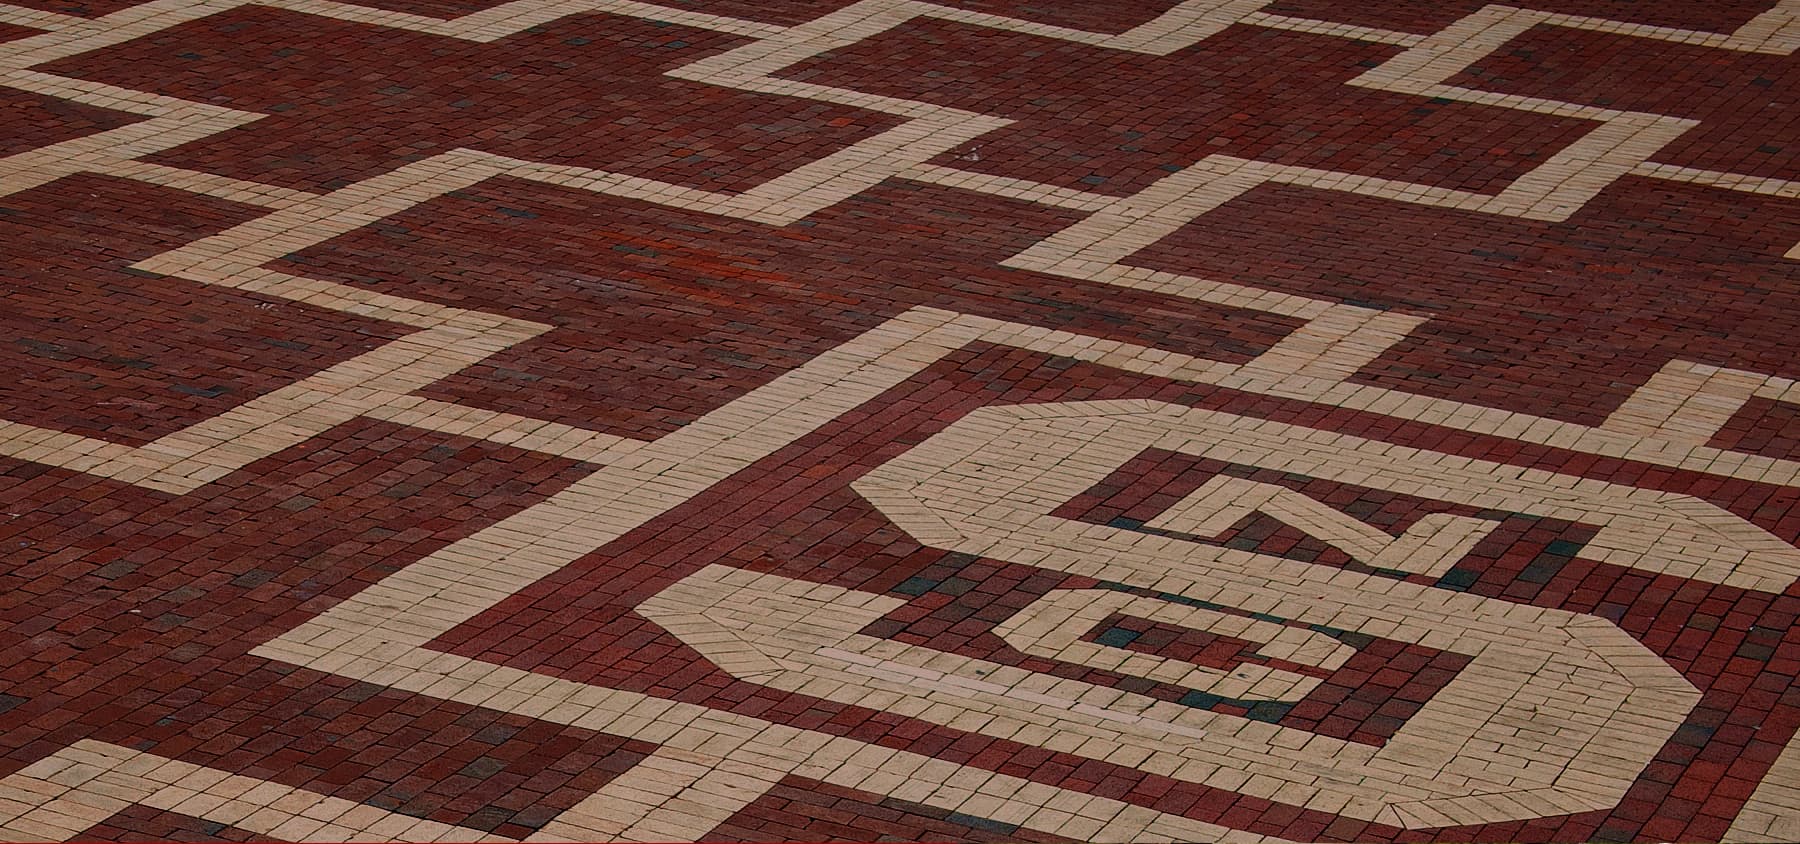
(974, 420)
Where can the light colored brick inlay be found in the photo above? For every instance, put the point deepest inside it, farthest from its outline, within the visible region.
(1051, 627)
(1430, 546)
(62, 795)
(1773, 811)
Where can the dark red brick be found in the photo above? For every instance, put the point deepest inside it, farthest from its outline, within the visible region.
(29, 121)
(1113, 121)
(1432, 15)
(93, 347)
(587, 90)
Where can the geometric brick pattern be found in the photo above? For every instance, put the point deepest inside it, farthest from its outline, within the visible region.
(988, 420)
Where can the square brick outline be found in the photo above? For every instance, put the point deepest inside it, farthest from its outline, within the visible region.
(73, 789)
(1338, 340)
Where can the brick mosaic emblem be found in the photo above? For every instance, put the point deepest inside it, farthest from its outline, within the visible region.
(1177, 420)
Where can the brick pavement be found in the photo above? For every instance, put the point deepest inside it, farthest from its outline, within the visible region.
(1182, 420)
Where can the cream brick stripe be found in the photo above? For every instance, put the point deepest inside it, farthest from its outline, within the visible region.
(1692, 402)
(1555, 188)
(506, 429)
(176, 122)
(37, 18)
(1714, 178)
(1775, 31)
(1010, 188)
(1565, 183)
(449, 339)
(70, 791)
(1552, 191)
(1729, 181)
(109, 151)
(1472, 38)
(1773, 811)
(1335, 30)
(677, 794)
(116, 28)
(1080, 200)
(512, 18)
(80, 35)
(197, 455)
(64, 794)
(1431, 546)
(114, 97)
(699, 778)
(208, 184)
(1682, 453)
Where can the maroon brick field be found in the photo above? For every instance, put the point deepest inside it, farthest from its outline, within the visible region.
(897, 420)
